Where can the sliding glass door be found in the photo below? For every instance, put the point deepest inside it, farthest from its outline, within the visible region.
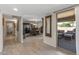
(66, 30)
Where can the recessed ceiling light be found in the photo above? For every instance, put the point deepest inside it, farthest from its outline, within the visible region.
(15, 9)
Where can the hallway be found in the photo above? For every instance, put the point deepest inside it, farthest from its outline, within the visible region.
(32, 46)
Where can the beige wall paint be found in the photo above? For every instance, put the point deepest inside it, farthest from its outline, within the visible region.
(77, 28)
(21, 29)
(20, 33)
(1, 33)
(51, 40)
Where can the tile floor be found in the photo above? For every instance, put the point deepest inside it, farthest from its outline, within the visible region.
(32, 46)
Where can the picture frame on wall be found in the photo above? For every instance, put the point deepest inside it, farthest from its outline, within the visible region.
(48, 26)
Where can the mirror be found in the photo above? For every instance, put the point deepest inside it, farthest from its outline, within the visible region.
(48, 25)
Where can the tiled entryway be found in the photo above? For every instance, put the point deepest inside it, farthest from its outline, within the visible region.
(32, 46)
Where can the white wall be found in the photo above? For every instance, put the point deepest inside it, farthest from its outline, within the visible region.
(51, 40)
(21, 30)
(77, 28)
(1, 33)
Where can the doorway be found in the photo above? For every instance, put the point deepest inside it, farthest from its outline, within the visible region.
(32, 28)
(66, 30)
(10, 30)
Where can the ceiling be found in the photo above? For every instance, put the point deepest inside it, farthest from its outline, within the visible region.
(32, 10)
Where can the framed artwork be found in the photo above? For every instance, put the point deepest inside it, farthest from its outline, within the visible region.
(48, 25)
